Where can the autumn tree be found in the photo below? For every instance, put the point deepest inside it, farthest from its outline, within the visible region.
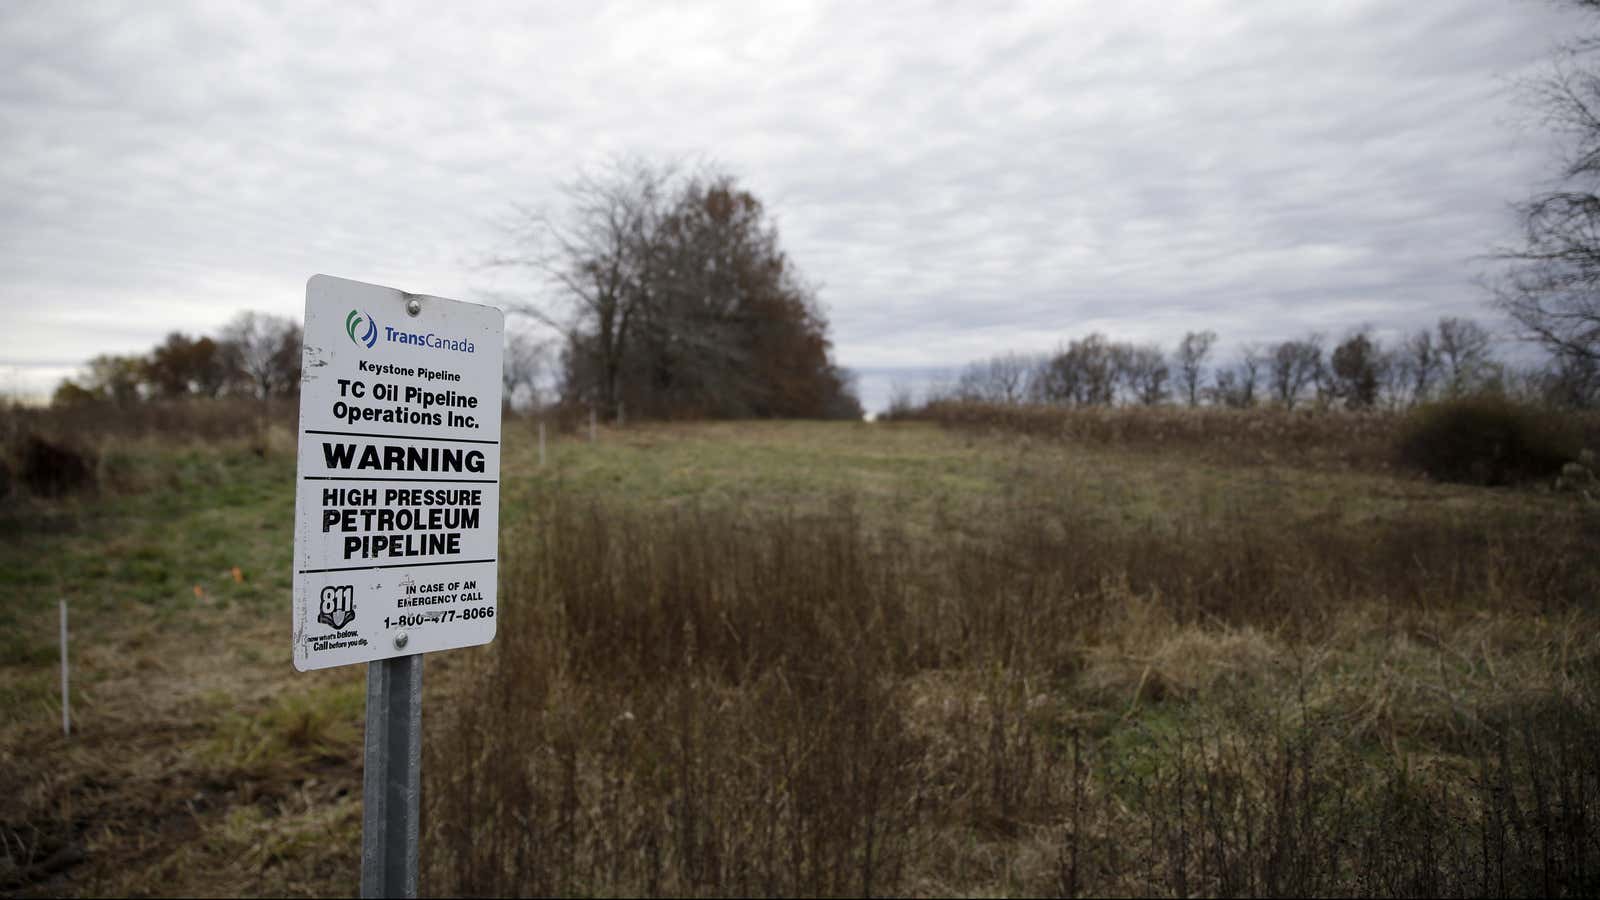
(182, 366)
(675, 298)
(1356, 369)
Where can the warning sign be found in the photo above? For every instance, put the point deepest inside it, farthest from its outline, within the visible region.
(398, 502)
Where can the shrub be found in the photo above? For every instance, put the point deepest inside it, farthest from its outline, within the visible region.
(1487, 440)
(52, 470)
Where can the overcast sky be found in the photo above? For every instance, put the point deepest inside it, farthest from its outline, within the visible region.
(958, 179)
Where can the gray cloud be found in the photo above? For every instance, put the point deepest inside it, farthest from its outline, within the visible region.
(960, 180)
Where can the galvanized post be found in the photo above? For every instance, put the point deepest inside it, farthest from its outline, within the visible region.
(66, 694)
(392, 783)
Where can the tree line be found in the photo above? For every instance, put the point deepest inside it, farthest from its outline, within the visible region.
(1455, 357)
(254, 355)
(671, 292)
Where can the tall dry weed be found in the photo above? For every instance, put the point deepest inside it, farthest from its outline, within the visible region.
(712, 702)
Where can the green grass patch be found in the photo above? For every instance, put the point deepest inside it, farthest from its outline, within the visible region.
(322, 723)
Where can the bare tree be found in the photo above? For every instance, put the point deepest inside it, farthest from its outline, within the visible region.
(1191, 357)
(1060, 379)
(1235, 385)
(1293, 367)
(1551, 284)
(1415, 365)
(263, 351)
(1040, 388)
(597, 262)
(1394, 379)
(902, 400)
(1463, 354)
(1085, 373)
(1569, 381)
(525, 367)
(998, 379)
(1145, 371)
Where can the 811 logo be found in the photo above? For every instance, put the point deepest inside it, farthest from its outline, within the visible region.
(338, 606)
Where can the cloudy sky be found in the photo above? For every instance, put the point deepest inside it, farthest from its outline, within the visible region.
(958, 179)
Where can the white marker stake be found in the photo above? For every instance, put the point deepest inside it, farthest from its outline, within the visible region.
(66, 709)
(541, 443)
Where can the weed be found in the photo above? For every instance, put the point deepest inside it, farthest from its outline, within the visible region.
(709, 701)
(766, 658)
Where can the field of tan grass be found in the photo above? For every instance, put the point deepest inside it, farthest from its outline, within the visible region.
(810, 658)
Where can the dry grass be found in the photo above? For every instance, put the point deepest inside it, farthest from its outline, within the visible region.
(1263, 434)
(717, 702)
(192, 419)
(779, 658)
(1260, 434)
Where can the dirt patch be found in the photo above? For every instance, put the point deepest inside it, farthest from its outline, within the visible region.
(159, 790)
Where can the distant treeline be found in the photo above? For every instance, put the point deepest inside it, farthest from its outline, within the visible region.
(1455, 358)
(255, 355)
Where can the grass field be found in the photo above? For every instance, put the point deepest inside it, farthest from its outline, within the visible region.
(833, 658)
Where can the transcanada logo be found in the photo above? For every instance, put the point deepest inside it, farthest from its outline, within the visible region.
(353, 322)
(430, 340)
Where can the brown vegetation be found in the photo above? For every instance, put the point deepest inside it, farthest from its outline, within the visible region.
(1259, 434)
(53, 451)
(1483, 439)
(1488, 440)
(780, 658)
(720, 703)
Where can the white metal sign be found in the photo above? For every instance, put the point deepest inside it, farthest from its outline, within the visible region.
(397, 505)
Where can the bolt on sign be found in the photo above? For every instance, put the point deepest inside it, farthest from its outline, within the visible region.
(397, 504)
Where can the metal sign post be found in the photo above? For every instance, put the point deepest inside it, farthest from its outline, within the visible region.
(392, 784)
(397, 512)
(66, 695)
